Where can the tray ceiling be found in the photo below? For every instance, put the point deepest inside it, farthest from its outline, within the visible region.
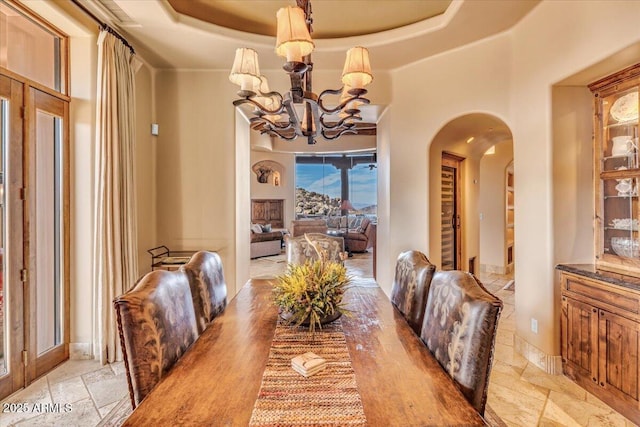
(332, 18)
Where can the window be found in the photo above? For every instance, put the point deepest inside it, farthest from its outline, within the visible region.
(31, 49)
(323, 181)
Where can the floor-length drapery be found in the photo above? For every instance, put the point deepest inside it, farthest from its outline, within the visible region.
(115, 266)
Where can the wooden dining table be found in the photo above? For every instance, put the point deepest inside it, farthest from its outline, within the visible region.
(217, 381)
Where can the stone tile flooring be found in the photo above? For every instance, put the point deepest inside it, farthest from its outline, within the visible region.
(519, 393)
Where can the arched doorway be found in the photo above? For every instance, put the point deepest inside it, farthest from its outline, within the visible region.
(471, 138)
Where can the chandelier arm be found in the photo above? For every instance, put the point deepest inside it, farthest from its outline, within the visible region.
(269, 123)
(257, 105)
(275, 133)
(342, 104)
(339, 134)
(342, 123)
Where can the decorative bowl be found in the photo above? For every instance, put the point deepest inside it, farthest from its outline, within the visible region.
(626, 246)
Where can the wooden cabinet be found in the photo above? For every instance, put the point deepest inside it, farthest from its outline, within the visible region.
(269, 211)
(600, 336)
(617, 171)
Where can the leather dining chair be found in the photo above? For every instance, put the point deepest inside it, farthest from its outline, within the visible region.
(208, 287)
(156, 324)
(411, 285)
(299, 250)
(459, 328)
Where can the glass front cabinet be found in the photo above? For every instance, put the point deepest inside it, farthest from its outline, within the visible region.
(617, 172)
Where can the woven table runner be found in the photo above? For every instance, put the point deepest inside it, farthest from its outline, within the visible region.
(328, 398)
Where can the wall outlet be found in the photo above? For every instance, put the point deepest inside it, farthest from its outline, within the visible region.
(155, 129)
(534, 325)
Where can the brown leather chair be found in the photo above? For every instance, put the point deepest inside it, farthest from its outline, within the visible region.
(299, 250)
(411, 285)
(157, 324)
(459, 328)
(208, 287)
(361, 238)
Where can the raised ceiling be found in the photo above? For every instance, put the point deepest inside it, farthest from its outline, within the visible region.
(170, 39)
(332, 18)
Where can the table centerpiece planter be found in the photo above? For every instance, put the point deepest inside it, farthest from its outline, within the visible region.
(311, 294)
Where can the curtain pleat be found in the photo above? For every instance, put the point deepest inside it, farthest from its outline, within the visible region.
(115, 241)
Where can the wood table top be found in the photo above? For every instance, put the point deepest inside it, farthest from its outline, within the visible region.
(216, 382)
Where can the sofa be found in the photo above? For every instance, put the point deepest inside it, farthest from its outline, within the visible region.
(301, 226)
(264, 242)
(361, 238)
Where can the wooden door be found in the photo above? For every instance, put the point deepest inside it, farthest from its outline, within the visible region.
(34, 224)
(618, 356)
(579, 326)
(451, 247)
(12, 305)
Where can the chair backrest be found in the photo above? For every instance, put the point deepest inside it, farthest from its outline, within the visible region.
(411, 285)
(157, 324)
(208, 287)
(301, 226)
(459, 328)
(299, 250)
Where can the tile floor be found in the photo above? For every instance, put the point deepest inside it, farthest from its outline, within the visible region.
(519, 393)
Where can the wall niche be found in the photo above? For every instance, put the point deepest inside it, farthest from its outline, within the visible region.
(268, 172)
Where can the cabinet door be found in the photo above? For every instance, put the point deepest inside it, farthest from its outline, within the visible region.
(579, 339)
(618, 356)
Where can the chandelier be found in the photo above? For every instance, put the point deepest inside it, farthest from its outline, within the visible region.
(331, 114)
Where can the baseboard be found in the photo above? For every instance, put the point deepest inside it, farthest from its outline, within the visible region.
(550, 364)
(80, 351)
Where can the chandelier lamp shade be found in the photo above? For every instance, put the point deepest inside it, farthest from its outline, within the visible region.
(331, 114)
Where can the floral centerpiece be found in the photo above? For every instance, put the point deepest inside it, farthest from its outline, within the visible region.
(311, 293)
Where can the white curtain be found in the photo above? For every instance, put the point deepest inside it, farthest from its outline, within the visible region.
(115, 266)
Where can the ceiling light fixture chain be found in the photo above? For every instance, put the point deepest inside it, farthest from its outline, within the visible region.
(294, 42)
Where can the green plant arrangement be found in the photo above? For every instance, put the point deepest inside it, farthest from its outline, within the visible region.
(312, 292)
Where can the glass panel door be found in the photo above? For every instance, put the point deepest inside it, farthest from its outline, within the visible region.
(48, 292)
(47, 238)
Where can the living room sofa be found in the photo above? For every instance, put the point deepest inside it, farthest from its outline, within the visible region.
(361, 238)
(265, 243)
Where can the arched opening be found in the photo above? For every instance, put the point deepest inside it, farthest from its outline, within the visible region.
(482, 144)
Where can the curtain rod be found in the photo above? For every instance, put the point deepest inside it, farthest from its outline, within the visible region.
(103, 25)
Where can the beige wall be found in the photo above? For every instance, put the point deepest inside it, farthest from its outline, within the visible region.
(509, 76)
(145, 154)
(82, 114)
(573, 200)
(196, 163)
(492, 207)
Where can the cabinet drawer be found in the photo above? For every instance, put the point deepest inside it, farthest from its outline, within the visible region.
(609, 295)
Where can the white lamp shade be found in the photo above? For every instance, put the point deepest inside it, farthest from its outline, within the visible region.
(268, 102)
(245, 71)
(293, 40)
(357, 69)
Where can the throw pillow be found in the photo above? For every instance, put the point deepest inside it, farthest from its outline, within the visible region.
(266, 228)
(256, 228)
